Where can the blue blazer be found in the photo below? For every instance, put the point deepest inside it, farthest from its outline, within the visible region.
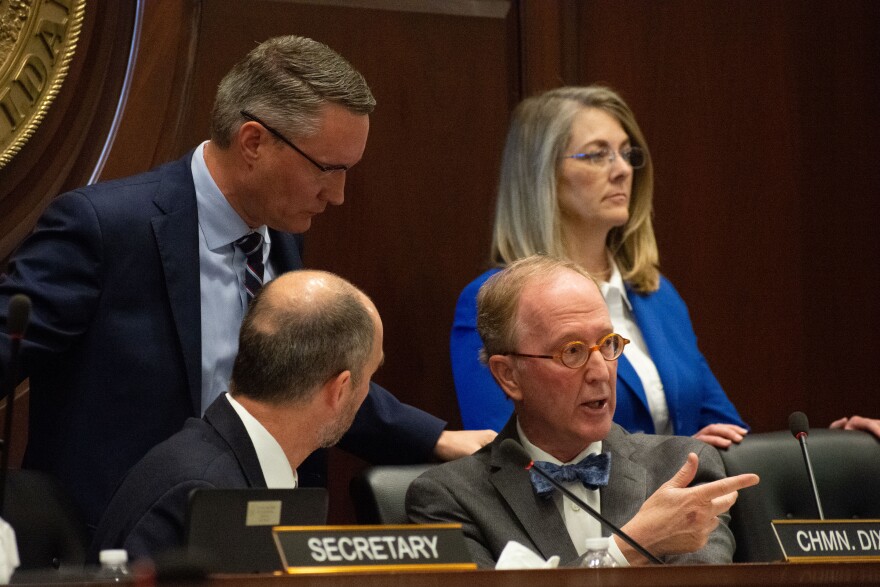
(694, 396)
(113, 350)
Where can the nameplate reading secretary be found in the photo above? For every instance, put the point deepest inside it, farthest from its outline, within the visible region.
(332, 549)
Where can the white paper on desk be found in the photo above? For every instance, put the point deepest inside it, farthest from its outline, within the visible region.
(8, 551)
(516, 556)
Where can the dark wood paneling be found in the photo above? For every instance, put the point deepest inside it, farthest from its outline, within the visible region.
(160, 86)
(759, 116)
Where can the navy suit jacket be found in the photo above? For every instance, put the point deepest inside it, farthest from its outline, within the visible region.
(146, 515)
(693, 394)
(113, 350)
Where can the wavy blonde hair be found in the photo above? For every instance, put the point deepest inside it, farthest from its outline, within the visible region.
(527, 215)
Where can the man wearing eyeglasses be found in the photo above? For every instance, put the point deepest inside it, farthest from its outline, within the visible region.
(140, 285)
(549, 342)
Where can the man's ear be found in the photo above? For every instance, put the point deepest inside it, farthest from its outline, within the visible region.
(335, 390)
(250, 139)
(505, 373)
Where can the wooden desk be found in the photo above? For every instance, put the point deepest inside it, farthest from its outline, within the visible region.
(735, 575)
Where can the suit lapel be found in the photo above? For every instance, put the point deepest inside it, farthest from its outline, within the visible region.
(539, 517)
(628, 483)
(223, 417)
(176, 232)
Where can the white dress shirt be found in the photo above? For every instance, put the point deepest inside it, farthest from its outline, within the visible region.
(580, 524)
(636, 352)
(276, 468)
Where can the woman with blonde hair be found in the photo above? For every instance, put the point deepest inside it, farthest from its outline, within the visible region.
(577, 183)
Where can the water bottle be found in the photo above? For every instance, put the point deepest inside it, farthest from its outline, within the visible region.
(114, 566)
(596, 556)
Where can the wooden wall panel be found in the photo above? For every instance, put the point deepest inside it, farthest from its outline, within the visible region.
(759, 116)
(159, 89)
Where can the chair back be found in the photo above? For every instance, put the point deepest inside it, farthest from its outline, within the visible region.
(379, 493)
(846, 465)
(49, 528)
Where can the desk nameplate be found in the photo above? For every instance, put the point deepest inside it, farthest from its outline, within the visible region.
(339, 549)
(828, 540)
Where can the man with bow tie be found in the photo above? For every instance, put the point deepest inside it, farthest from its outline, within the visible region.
(541, 319)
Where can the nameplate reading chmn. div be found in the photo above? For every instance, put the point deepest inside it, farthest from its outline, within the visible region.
(331, 549)
(828, 540)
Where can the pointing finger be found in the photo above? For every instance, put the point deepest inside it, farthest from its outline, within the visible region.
(710, 491)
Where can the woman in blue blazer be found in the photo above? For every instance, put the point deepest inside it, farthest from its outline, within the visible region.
(576, 182)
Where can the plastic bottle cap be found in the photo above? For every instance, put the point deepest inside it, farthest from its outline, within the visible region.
(597, 543)
(113, 557)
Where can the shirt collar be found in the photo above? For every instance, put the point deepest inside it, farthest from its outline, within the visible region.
(276, 468)
(614, 287)
(218, 220)
(539, 455)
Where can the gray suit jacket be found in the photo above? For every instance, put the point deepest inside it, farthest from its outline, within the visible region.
(492, 498)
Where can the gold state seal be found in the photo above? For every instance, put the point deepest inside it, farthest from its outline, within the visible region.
(37, 41)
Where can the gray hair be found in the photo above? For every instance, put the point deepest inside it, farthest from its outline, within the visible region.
(287, 351)
(527, 211)
(498, 299)
(286, 81)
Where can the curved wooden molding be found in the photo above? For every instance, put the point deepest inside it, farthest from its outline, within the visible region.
(64, 148)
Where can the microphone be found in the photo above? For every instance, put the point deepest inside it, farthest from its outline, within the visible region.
(18, 316)
(512, 450)
(800, 428)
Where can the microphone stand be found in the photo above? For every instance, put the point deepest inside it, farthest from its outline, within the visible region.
(17, 321)
(802, 437)
(9, 393)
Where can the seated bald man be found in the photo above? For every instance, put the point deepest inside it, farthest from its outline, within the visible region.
(550, 344)
(308, 347)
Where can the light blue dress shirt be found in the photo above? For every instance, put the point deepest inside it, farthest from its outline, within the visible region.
(221, 279)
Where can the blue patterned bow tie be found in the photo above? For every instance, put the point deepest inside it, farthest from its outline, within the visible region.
(592, 471)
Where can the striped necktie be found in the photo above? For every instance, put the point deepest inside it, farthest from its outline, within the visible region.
(251, 245)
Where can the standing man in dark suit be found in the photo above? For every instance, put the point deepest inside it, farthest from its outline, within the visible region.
(275, 415)
(139, 285)
(541, 320)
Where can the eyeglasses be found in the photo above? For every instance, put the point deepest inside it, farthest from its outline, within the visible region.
(576, 353)
(604, 156)
(325, 169)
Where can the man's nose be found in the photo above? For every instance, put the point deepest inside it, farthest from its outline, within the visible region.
(333, 190)
(596, 367)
